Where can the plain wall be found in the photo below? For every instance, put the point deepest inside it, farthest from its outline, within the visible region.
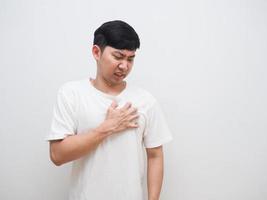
(205, 62)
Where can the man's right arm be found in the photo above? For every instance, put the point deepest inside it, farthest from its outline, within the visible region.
(76, 146)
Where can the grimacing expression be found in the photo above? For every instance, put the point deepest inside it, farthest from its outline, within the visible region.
(115, 64)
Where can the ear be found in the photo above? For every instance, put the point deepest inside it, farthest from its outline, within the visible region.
(96, 51)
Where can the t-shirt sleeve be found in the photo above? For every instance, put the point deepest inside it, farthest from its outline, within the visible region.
(157, 131)
(63, 120)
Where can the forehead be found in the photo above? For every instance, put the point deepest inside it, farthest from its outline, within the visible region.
(123, 52)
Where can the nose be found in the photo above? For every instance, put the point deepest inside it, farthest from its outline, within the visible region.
(123, 65)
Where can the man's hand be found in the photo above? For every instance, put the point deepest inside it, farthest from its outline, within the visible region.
(119, 119)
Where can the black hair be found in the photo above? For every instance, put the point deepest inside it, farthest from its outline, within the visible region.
(117, 34)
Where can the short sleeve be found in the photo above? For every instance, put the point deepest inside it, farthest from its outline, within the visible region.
(63, 120)
(157, 131)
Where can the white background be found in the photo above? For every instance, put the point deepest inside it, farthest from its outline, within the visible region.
(205, 62)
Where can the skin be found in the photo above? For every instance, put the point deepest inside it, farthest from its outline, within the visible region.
(110, 63)
(113, 66)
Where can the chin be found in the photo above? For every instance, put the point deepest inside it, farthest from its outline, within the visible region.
(117, 81)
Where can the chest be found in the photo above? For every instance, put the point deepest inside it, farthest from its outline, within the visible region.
(92, 111)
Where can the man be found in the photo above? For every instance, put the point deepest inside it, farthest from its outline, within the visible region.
(103, 125)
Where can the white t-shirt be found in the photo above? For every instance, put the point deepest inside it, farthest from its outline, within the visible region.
(115, 170)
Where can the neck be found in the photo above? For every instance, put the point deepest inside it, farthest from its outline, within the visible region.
(107, 87)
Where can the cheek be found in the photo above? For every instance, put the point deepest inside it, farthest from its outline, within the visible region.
(111, 62)
(130, 66)
(109, 65)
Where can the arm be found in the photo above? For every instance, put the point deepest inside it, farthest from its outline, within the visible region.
(76, 146)
(154, 172)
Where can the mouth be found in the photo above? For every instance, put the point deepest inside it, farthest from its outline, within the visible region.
(120, 75)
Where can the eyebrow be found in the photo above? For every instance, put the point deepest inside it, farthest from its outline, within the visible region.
(123, 55)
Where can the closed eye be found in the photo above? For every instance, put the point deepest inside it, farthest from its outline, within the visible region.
(130, 59)
(117, 57)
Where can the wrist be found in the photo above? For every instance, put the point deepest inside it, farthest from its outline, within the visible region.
(103, 129)
(153, 198)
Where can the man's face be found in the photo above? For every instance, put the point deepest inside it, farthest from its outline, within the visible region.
(113, 64)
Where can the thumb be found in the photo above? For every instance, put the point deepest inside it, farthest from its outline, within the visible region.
(114, 105)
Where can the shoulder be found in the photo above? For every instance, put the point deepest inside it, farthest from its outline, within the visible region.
(72, 90)
(72, 86)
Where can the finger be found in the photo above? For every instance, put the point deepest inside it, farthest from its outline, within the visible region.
(126, 106)
(114, 104)
(133, 117)
(133, 125)
(132, 111)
